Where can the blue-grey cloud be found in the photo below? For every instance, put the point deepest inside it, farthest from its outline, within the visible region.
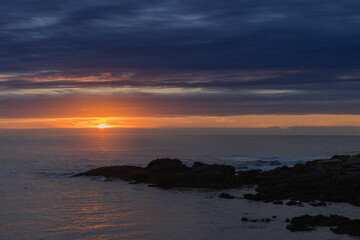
(281, 56)
(179, 34)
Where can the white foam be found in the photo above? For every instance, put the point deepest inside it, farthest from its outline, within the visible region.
(265, 163)
(103, 179)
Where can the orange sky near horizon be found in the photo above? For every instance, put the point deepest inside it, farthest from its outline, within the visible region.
(240, 121)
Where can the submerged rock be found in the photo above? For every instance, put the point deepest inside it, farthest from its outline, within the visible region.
(227, 196)
(263, 220)
(294, 203)
(244, 219)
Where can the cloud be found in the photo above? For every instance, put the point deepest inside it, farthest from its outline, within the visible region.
(162, 93)
(180, 57)
(179, 34)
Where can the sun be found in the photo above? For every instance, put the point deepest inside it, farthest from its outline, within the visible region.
(103, 126)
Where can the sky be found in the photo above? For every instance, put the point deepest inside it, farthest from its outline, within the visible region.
(179, 63)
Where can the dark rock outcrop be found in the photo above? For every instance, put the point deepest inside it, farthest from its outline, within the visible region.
(333, 180)
(339, 224)
(170, 173)
(127, 173)
(166, 164)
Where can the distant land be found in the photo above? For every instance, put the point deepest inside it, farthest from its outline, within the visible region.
(308, 131)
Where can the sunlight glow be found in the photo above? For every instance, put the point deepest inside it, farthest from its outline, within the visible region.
(103, 126)
(236, 121)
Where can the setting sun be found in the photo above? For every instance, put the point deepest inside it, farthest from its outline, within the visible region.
(103, 126)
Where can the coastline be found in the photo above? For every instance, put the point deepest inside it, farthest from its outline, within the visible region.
(315, 183)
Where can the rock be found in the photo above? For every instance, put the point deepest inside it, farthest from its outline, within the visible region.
(217, 172)
(170, 173)
(339, 224)
(199, 164)
(287, 220)
(278, 202)
(131, 182)
(342, 157)
(319, 204)
(335, 180)
(250, 177)
(128, 173)
(328, 167)
(294, 203)
(227, 196)
(166, 164)
(352, 228)
(298, 228)
(264, 220)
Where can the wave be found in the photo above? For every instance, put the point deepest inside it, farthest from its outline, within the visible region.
(265, 163)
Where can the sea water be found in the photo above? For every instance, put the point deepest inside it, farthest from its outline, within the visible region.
(39, 199)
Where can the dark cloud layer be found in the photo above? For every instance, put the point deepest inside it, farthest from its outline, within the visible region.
(280, 56)
(179, 34)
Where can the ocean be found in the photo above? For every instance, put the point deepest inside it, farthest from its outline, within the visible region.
(39, 199)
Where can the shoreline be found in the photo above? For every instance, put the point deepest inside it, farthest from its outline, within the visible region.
(334, 180)
(316, 182)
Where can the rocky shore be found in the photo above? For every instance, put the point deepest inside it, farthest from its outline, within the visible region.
(332, 180)
(315, 182)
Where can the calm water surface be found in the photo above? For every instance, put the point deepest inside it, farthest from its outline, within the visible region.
(38, 199)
